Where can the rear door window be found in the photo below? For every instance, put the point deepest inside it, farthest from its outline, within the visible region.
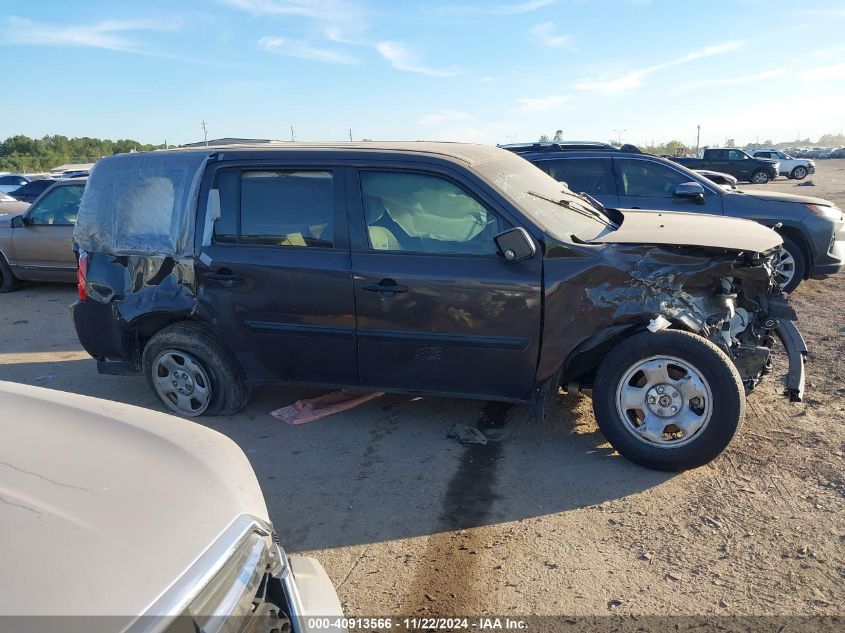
(645, 178)
(275, 207)
(582, 175)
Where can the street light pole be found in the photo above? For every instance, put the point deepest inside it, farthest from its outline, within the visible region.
(619, 136)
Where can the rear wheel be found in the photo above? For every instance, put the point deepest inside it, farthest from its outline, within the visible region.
(191, 373)
(791, 266)
(799, 173)
(8, 281)
(760, 177)
(668, 400)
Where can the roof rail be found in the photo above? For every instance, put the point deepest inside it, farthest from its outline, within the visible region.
(562, 146)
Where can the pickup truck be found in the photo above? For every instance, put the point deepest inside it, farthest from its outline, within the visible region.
(735, 162)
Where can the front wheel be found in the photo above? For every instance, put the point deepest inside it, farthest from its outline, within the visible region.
(760, 177)
(791, 265)
(669, 400)
(191, 373)
(799, 173)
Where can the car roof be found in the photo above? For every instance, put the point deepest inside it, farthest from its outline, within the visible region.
(468, 153)
(547, 149)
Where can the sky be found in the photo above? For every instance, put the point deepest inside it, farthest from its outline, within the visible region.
(490, 71)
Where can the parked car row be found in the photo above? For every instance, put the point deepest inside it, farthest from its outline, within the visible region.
(736, 162)
(812, 229)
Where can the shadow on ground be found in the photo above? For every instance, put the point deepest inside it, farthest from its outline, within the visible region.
(383, 471)
(387, 470)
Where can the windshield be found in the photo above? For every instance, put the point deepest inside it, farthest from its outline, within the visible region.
(536, 194)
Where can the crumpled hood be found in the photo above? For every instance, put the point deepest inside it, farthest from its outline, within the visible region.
(103, 505)
(774, 196)
(690, 229)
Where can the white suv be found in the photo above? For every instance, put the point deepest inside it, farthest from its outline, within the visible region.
(796, 168)
(139, 522)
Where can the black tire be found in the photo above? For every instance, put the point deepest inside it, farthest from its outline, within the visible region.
(799, 173)
(8, 281)
(727, 406)
(760, 177)
(799, 266)
(228, 394)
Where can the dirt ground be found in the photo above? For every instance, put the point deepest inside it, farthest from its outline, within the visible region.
(545, 519)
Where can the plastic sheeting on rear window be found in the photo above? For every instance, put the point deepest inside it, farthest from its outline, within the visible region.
(141, 204)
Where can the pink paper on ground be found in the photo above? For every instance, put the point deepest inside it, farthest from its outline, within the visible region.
(311, 409)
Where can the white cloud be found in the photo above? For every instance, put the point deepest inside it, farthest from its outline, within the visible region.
(634, 79)
(730, 81)
(834, 71)
(304, 50)
(444, 115)
(318, 9)
(463, 10)
(402, 58)
(520, 7)
(544, 34)
(108, 34)
(540, 104)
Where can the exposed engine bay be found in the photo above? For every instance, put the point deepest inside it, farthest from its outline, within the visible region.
(728, 297)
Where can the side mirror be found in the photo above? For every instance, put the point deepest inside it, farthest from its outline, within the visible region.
(515, 244)
(690, 190)
(16, 222)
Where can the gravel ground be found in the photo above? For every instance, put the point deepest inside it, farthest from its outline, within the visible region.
(545, 519)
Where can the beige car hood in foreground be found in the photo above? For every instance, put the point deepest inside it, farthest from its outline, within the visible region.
(690, 229)
(103, 505)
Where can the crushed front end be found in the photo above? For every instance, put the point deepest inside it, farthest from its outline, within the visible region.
(726, 296)
(741, 312)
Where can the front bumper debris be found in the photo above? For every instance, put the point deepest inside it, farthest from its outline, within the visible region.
(796, 350)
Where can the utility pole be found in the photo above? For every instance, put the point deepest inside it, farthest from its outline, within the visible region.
(350, 135)
(205, 132)
(619, 136)
(698, 139)
(292, 137)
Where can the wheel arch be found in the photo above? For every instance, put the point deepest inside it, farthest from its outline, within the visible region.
(584, 359)
(798, 237)
(145, 326)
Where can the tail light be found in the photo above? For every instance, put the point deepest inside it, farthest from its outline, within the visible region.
(81, 277)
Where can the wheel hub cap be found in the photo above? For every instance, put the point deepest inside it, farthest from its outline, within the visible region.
(181, 382)
(664, 401)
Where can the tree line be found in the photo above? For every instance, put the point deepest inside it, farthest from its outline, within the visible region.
(24, 154)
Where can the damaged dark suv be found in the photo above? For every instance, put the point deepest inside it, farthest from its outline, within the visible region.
(433, 268)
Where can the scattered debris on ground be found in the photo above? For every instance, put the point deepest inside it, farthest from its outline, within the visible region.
(466, 434)
(312, 409)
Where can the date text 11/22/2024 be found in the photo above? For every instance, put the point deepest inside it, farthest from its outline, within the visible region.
(419, 623)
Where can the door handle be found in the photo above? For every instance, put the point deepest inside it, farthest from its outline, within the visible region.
(387, 286)
(224, 276)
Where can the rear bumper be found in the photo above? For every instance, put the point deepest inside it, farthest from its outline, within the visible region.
(796, 351)
(98, 327)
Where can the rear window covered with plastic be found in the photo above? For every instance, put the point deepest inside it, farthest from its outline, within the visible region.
(141, 204)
